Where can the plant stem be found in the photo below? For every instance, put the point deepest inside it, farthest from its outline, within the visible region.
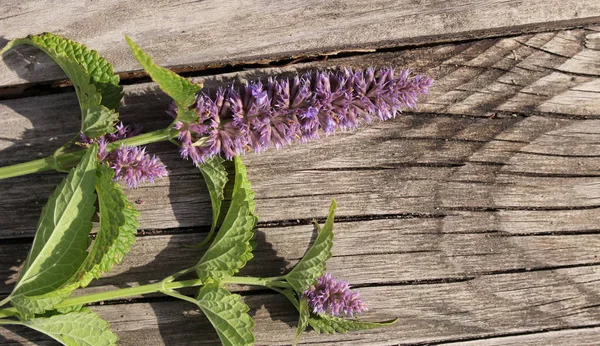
(151, 288)
(27, 167)
(5, 301)
(65, 160)
(143, 139)
(10, 322)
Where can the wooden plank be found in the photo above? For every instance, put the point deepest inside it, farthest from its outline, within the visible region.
(423, 153)
(433, 175)
(418, 246)
(480, 224)
(582, 337)
(430, 313)
(546, 73)
(212, 33)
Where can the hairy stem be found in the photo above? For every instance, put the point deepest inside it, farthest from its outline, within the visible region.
(27, 167)
(62, 161)
(152, 288)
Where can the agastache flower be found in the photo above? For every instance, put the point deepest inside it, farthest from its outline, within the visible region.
(255, 116)
(333, 296)
(134, 165)
(131, 164)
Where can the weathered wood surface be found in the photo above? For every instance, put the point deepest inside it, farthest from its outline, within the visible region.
(489, 305)
(473, 219)
(214, 33)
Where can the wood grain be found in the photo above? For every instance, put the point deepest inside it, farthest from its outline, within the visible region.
(583, 337)
(473, 218)
(489, 305)
(216, 33)
(431, 160)
(418, 246)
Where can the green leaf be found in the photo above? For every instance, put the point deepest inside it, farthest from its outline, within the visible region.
(312, 265)
(328, 324)
(228, 314)
(118, 226)
(100, 71)
(62, 238)
(97, 120)
(180, 89)
(215, 176)
(232, 248)
(28, 306)
(303, 319)
(83, 328)
(92, 76)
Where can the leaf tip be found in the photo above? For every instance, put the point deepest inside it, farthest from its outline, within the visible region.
(6, 48)
(132, 45)
(333, 205)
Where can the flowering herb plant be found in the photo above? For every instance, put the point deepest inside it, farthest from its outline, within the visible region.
(209, 129)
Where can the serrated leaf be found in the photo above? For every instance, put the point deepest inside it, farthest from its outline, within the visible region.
(96, 120)
(328, 324)
(83, 328)
(232, 248)
(180, 89)
(28, 306)
(215, 176)
(100, 71)
(62, 238)
(312, 265)
(302, 319)
(118, 226)
(228, 315)
(92, 76)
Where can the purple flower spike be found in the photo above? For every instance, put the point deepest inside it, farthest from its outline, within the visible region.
(134, 165)
(255, 116)
(333, 296)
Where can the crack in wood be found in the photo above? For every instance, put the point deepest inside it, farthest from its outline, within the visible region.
(488, 336)
(355, 218)
(544, 50)
(583, 156)
(520, 208)
(212, 69)
(550, 175)
(569, 73)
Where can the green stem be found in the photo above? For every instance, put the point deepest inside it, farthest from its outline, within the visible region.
(27, 167)
(143, 139)
(289, 294)
(63, 161)
(178, 295)
(172, 278)
(151, 288)
(5, 301)
(10, 322)
(66, 146)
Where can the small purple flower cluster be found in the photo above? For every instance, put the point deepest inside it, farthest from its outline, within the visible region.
(334, 297)
(132, 164)
(254, 116)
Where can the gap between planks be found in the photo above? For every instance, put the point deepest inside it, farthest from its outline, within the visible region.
(488, 306)
(207, 39)
(475, 197)
(138, 77)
